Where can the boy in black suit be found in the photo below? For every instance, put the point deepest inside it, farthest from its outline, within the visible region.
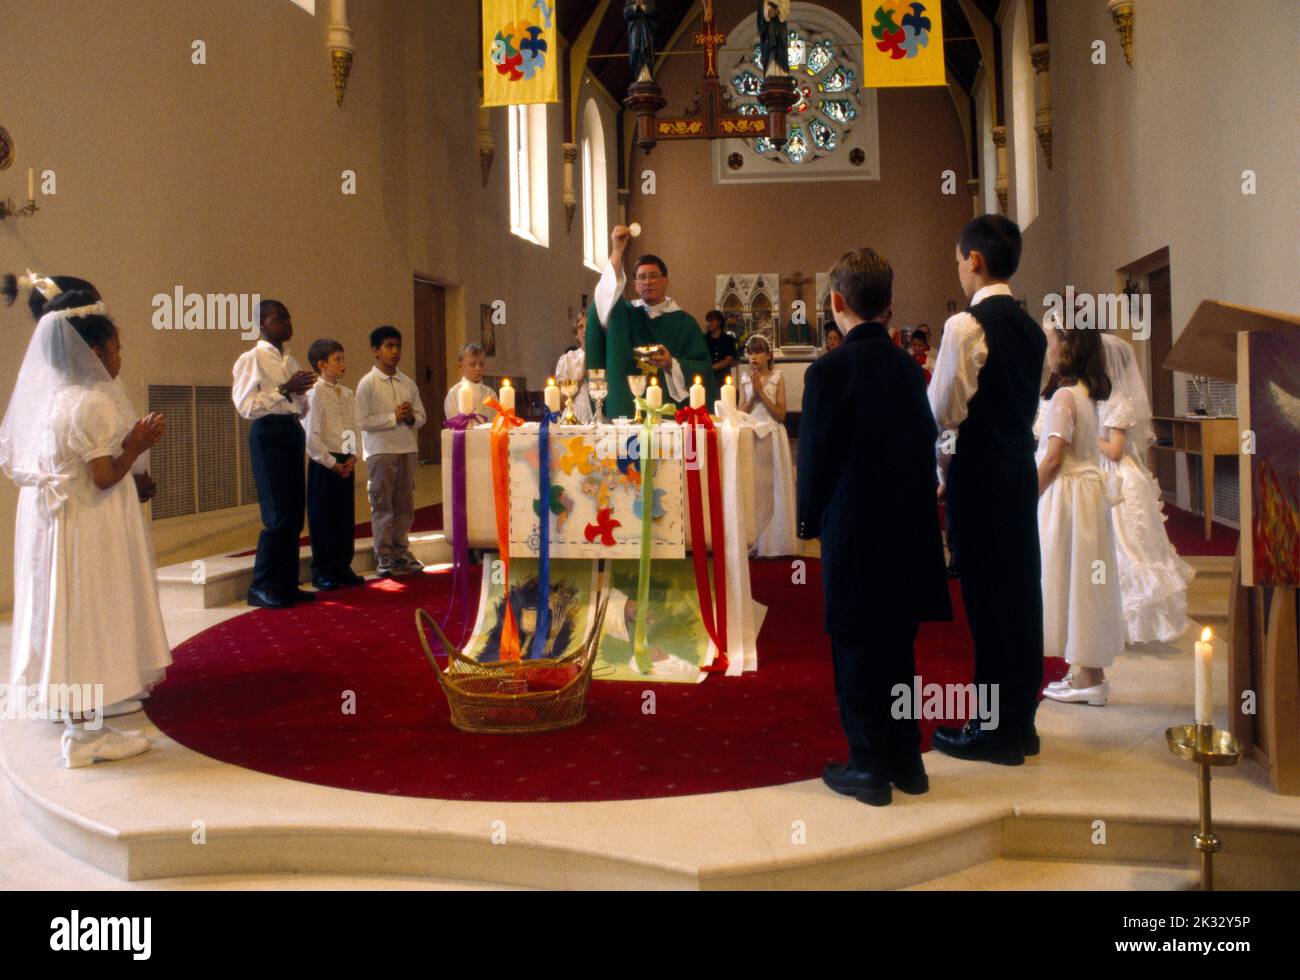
(867, 487)
(987, 378)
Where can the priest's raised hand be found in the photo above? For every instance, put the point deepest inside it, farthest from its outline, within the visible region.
(615, 326)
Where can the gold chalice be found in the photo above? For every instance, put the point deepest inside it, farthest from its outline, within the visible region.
(569, 388)
(639, 382)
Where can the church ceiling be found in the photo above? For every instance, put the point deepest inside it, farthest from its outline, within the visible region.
(611, 36)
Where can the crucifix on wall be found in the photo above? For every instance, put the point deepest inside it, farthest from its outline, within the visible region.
(798, 330)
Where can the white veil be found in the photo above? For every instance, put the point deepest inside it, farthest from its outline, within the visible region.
(1126, 380)
(57, 359)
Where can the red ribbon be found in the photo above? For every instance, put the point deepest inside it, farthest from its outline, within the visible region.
(714, 617)
(506, 420)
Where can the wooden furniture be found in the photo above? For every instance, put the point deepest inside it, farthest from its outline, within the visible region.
(1199, 436)
(1265, 668)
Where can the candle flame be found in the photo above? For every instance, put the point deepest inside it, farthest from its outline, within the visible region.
(1206, 635)
(727, 381)
(505, 382)
(550, 382)
(654, 382)
(697, 379)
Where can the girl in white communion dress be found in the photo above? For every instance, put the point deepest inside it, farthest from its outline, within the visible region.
(1082, 610)
(762, 395)
(86, 613)
(1153, 579)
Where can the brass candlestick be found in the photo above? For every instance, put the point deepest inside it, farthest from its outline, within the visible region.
(1206, 746)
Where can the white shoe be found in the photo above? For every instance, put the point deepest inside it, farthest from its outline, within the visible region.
(1095, 695)
(82, 748)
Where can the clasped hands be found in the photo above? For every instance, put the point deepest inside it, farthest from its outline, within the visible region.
(405, 413)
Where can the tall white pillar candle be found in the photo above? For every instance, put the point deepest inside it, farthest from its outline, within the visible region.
(697, 393)
(465, 399)
(506, 396)
(1204, 675)
(729, 394)
(551, 395)
(654, 395)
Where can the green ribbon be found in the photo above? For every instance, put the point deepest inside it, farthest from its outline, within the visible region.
(646, 458)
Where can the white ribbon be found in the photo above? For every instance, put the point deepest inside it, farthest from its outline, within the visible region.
(742, 626)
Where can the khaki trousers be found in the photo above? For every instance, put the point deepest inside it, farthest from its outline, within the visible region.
(392, 503)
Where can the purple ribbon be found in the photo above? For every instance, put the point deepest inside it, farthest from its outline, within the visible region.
(459, 524)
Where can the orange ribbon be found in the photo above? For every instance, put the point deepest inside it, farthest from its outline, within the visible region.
(505, 421)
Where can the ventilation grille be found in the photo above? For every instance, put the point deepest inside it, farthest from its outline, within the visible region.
(201, 465)
(1223, 397)
(1227, 489)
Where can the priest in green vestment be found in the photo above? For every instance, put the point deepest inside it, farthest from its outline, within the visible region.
(615, 326)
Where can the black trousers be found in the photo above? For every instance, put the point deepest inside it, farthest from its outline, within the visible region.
(866, 671)
(331, 516)
(276, 444)
(993, 530)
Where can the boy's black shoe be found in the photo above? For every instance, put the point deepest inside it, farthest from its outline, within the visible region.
(866, 787)
(974, 744)
(351, 578)
(910, 777)
(302, 595)
(264, 600)
(1029, 738)
(325, 585)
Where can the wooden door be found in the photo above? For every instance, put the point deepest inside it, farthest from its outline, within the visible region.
(431, 363)
(1162, 381)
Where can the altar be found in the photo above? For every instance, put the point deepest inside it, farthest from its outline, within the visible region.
(595, 513)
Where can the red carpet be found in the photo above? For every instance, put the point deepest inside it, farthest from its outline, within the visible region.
(265, 691)
(1187, 534)
(426, 519)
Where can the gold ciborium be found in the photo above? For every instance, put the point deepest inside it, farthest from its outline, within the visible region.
(638, 382)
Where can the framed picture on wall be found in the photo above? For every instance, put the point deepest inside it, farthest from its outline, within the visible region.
(487, 330)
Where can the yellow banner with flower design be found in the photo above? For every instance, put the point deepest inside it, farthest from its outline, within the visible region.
(902, 44)
(521, 52)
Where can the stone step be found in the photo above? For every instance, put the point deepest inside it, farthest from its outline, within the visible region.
(222, 579)
(1016, 874)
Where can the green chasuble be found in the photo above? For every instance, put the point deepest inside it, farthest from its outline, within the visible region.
(631, 326)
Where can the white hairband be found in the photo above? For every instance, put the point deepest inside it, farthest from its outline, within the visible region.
(44, 285)
(92, 310)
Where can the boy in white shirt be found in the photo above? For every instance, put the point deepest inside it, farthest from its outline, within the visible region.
(270, 389)
(331, 427)
(472, 362)
(389, 411)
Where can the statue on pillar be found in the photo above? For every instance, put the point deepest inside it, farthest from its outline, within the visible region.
(774, 35)
(639, 15)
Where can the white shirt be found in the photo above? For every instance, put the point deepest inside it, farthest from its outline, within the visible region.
(378, 396)
(330, 422)
(451, 407)
(608, 290)
(963, 350)
(259, 372)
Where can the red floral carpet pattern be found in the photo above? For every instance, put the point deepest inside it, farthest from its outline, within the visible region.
(268, 690)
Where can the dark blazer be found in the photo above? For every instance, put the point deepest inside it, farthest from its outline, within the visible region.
(867, 485)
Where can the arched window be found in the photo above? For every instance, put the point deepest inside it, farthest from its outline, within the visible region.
(832, 129)
(595, 189)
(1024, 147)
(528, 189)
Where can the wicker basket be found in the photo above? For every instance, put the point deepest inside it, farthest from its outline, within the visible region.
(519, 697)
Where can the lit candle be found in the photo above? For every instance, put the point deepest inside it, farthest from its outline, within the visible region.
(729, 394)
(465, 399)
(697, 393)
(551, 395)
(1204, 690)
(506, 396)
(654, 396)
(31, 185)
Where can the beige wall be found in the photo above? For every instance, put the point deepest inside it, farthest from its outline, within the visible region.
(1152, 156)
(805, 227)
(226, 178)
